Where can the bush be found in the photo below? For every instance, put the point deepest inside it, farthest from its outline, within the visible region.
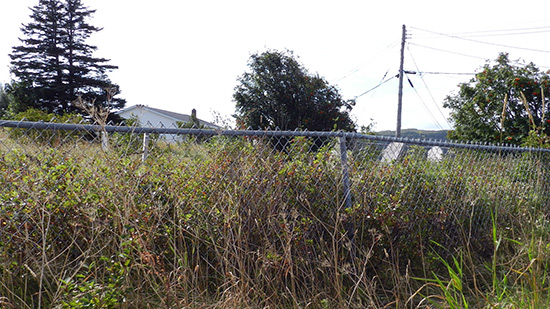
(233, 222)
(44, 136)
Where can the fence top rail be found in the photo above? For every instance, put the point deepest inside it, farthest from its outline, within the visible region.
(260, 133)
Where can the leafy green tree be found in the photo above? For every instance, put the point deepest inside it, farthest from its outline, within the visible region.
(504, 102)
(279, 93)
(5, 101)
(55, 63)
(16, 99)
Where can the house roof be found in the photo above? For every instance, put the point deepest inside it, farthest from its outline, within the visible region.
(172, 115)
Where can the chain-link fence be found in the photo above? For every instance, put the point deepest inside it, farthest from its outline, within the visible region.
(118, 214)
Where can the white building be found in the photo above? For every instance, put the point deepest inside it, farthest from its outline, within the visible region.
(159, 118)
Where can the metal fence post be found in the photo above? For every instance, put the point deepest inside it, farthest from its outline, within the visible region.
(145, 153)
(348, 224)
(104, 140)
(345, 173)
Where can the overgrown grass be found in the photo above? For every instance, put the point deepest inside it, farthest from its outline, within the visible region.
(231, 222)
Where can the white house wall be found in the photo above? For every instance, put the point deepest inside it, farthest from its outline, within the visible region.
(151, 119)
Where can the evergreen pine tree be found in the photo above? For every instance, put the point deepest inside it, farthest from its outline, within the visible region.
(57, 64)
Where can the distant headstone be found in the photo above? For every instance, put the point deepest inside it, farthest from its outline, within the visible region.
(435, 154)
(392, 152)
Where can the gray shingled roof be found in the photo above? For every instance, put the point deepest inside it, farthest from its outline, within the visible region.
(179, 117)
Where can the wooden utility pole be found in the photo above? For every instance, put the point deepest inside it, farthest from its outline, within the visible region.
(400, 93)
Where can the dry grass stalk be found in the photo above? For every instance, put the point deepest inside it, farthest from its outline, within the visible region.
(503, 115)
(524, 100)
(543, 107)
(99, 114)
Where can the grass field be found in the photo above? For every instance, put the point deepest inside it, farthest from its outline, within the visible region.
(230, 222)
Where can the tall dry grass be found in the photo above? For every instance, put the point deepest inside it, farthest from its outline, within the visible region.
(235, 223)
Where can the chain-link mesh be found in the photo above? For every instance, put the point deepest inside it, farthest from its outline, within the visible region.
(206, 212)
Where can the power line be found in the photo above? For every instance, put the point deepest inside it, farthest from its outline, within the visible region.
(459, 54)
(512, 31)
(445, 73)
(483, 42)
(447, 51)
(488, 33)
(428, 89)
(504, 34)
(373, 93)
(362, 65)
(424, 104)
(380, 84)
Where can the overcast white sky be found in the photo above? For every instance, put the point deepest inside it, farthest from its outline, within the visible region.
(179, 54)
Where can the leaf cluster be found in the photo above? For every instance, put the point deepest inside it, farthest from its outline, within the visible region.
(279, 93)
(44, 136)
(501, 104)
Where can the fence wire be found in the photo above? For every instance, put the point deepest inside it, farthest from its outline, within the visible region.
(70, 191)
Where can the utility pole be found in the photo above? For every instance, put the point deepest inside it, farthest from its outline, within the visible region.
(400, 93)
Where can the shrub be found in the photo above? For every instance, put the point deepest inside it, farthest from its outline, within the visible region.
(234, 222)
(45, 136)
